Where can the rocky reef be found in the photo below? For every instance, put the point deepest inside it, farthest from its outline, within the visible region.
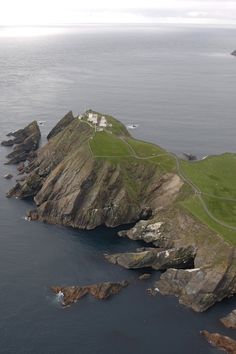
(25, 142)
(71, 294)
(219, 341)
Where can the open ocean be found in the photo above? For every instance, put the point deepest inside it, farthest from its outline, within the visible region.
(178, 84)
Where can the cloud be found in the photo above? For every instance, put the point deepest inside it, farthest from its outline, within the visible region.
(51, 12)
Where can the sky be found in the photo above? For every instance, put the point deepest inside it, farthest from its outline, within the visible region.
(62, 12)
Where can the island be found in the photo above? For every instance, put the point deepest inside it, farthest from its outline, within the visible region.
(92, 172)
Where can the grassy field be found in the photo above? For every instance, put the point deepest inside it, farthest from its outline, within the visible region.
(107, 144)
(215, 177)
(144, 149)
(194, 206)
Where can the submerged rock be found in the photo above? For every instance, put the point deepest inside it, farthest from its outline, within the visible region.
(25, 140)
(72, 294)
(32, 215)
(144, 276)
(229, 321)
(8, 176)
(154, 258)
(221, 342)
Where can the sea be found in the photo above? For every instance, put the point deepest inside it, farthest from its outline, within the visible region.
(177, 84)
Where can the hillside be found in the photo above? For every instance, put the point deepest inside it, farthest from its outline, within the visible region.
(88, 175)
(92, 172)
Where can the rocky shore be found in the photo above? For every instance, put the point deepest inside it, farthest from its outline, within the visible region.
(25, 142)
(224, 343)
(81, 179)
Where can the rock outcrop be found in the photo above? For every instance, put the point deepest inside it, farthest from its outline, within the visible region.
(213, 275)
(26, 141)
(73, 187)
(221, 342)
(87, 176)
(71, 294)
(234, 53)
(8, 176)
(155, 258)
(229, 321)
(145, 276)
(61, 125)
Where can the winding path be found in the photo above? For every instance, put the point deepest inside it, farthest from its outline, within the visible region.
(195, 188)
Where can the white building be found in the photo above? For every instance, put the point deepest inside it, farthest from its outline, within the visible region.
(103, 122)
(93, 118)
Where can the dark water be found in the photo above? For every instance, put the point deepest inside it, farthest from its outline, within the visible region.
(179, 85)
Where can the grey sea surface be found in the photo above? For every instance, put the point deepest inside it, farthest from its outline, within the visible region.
(178, 84)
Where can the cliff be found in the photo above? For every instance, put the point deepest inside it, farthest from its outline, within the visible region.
(85, 178)
(25, 142)
(92, 172)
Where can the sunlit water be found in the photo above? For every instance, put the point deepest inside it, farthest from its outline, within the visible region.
(178, 85)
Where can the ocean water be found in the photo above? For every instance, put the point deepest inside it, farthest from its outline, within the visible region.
(179, 85)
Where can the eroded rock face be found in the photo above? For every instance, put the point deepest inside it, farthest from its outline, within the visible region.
(62, 124)
(145, 231)
(72, 188)
(222, 342)
(214, 276)
(72, 294)
(25, 140)
(229, 321)
(154, 258)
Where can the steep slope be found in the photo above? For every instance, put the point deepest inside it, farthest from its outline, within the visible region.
(87, 176)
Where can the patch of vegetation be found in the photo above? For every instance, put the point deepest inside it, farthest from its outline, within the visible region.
(144, 149)
(107, 144)
(194, 206)
(215, 175)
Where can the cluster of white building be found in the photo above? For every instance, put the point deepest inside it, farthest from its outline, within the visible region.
(94, 119)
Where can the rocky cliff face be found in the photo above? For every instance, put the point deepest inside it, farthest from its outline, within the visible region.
(180, 237)
(86, 176)
(73, 188)
(25, 142)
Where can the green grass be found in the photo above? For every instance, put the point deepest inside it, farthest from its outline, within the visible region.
(194, 206)
(117, 127)
(214, 176)
(144, 149)
(107, 144)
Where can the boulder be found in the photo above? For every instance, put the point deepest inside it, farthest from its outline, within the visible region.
(229, 321)
(221, 342)
(144, 276)
(144, 230)
(101, 291)
(32, 215)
